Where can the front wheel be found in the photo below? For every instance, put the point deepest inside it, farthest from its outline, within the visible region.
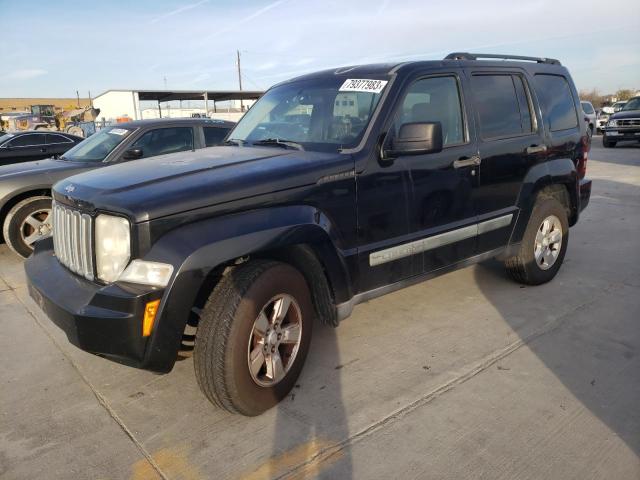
(253, 337)
(607, 143)
(27, 222)
(543, 246)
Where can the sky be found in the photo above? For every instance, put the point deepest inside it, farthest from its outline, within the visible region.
(53, 48)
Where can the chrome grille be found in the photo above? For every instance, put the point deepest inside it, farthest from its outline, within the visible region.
(628, 122)
(72, 240)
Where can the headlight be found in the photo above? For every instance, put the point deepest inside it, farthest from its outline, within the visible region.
(611, 123)
(147, 273)
(113, 246)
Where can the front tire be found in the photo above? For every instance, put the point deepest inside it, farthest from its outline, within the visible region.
(543, 246)
(253, 337)
(27, 222)
(607, 143)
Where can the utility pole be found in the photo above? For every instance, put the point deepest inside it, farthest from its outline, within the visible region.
(78, 97)
(240, 81)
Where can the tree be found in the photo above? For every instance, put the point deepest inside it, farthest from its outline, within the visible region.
(594, 97)
(624, 94)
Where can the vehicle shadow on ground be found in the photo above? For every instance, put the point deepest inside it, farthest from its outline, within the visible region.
(594, 349)
(312, 419)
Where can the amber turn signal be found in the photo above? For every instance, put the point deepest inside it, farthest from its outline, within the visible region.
(150, 311)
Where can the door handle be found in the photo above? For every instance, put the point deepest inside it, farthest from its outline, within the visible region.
(467, 162)
(536, 149)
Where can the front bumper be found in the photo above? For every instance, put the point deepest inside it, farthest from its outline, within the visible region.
(101, 319)
(621, 134)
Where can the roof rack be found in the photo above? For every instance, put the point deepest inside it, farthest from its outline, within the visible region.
(476, 56)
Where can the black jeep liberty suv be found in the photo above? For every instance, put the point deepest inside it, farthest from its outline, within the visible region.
(335, 188)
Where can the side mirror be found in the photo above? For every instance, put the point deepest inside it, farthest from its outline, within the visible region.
(133, 154)
(416, 138)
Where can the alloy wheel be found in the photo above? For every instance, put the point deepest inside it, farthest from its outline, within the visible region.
(548, 242)
(36, 226)
(274, 340)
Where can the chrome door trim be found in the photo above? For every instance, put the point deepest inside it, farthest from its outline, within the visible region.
(494, 223)
(418, 246)
(344, 309)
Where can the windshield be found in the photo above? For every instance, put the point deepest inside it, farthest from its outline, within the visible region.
(322, 114)
(5, 137)
(633, 104)
(97, 146)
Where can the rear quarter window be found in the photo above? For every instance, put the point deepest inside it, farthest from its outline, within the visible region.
(588, 109)
(556, 101)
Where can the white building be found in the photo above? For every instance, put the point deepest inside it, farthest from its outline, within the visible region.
(141, 104)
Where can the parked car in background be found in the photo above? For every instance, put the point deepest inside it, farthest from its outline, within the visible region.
(590, 115)
(603, 118)
(25, 189)
(623, 125)
(336, 187)
(27, 146)
(616, 107)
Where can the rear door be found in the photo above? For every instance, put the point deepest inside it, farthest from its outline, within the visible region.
(510, 143)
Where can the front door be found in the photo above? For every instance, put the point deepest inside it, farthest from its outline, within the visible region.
(416, 212)
(510, 143)
(26, 148)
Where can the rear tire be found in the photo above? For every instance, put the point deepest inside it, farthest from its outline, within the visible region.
(541, 252)
(231, 337)
(27, 222)
(75, 130)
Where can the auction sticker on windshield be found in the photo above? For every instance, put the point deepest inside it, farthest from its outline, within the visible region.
(119, 131)
(363, 85)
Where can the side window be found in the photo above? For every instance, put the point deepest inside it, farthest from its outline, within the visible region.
(435, 99)
(499, 100)
(27, 141)
(53, 139)
(165, 140)
(214, 135)
(556, 101)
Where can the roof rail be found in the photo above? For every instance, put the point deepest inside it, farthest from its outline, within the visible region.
(476, 56)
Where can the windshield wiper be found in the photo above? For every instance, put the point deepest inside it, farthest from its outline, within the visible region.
(235, 141)
(279, 142)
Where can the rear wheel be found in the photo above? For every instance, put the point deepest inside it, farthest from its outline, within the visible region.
(253, 337)
(75, 130)
(543, 246)
(26, 223)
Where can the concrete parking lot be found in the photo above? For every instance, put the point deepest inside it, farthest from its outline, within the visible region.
(466, 376)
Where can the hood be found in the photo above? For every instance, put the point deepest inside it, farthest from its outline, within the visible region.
(625, 114)
(39, 173)
(169, 184)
